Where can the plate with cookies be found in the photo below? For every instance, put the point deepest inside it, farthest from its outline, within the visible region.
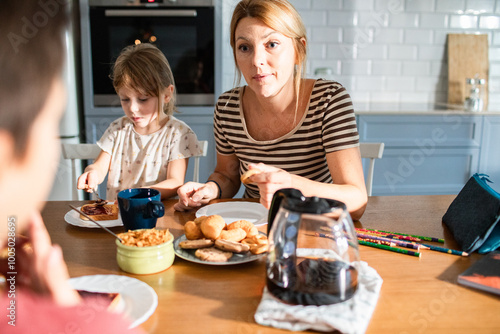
(253, 212)
(209, 240)
(106, 214)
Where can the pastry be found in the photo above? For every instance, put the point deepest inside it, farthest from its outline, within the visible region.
(248, 227)
(213, 254)
(212, 226)
(236, 234)
(192, 231)
(98, 211)
(231, 246)
(245, 176)
(258, 249)
(196, 244)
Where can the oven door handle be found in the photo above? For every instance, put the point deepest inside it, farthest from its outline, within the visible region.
(151, 12)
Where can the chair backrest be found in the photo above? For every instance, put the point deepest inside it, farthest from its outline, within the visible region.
(196, 166)
(371, 151)
(75, 152)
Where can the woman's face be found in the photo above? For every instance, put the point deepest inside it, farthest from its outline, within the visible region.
(265, 57)
(28, 178)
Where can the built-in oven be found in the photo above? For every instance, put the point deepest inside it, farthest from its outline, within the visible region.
(182, 29)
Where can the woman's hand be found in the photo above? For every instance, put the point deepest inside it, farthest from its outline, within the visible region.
(41, 268)
(269, 181)
(193, 194)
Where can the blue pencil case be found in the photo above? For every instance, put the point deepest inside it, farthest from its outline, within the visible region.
(473, 216)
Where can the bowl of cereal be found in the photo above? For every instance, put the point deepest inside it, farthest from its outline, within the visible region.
(145, 251)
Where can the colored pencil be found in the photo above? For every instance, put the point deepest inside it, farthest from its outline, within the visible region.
(388, 235)
(380, 242)
(392, 249)
(446, 250)
(398, 242)
(409, 235)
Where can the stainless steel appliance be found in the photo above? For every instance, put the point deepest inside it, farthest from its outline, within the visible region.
(182, 29)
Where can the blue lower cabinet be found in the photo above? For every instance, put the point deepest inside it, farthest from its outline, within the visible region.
(428, 154)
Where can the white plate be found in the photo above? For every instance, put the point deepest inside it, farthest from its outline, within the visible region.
(140, 300)
(255, 213)
(188, 255)
(73, 218)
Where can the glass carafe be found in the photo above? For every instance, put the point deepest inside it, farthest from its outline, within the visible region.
(313, 256)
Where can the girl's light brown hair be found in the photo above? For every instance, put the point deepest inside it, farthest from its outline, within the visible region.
(145, 69)
(282, 17)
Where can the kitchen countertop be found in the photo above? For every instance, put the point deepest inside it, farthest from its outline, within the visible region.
(416, 109)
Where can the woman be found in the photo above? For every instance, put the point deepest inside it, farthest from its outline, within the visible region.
(300, 133)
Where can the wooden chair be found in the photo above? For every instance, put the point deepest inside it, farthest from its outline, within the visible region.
(196, 166)
(371, 151)
(75, 152)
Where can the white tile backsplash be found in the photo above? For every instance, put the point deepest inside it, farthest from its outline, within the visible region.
(463, 21)
(489, 22)
(450, 6)
(480, 6)
(433, 20)
(403, 20)
(389, 50)
(420, 6)
(403, 52)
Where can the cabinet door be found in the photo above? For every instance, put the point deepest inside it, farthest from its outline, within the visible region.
(424, 154)
(490, 155)
(415, 171)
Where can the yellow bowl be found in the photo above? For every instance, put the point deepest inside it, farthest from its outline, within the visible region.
(145, 260)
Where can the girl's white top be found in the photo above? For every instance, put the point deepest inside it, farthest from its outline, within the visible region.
(141, 160)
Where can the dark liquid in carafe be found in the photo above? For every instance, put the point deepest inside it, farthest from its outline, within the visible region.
(318, 282)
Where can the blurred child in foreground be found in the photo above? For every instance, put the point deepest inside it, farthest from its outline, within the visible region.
(35, 296)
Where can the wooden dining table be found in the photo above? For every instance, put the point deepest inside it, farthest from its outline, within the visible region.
(418, 295)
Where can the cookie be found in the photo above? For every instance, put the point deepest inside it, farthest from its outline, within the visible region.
(196, 244)
(212, 254)
(231, 246)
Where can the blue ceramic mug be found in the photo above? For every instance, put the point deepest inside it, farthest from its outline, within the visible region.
(140, 208)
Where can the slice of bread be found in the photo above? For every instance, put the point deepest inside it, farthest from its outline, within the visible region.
(100, 212)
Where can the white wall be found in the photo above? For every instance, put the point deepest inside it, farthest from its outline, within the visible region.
(388, 50)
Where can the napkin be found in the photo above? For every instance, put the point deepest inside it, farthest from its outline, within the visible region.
(350, 316)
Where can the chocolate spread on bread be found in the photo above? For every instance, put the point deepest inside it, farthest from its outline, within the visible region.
(96, 210)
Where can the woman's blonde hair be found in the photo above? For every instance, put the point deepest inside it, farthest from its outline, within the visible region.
(280, 16)
(145, 69)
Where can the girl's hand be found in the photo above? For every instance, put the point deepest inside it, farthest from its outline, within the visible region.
(88, 181)
(193, 194)
(269, 181)
(41, 268)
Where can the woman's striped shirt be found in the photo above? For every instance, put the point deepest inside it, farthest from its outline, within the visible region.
(328, 125)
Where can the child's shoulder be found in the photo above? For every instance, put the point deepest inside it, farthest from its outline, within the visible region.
(176, 123)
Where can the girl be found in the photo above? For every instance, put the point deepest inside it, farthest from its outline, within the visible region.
(148, 147)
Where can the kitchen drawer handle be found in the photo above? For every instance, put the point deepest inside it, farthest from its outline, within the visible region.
(151, 12)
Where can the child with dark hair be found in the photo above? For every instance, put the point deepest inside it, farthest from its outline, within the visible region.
(36, 297)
